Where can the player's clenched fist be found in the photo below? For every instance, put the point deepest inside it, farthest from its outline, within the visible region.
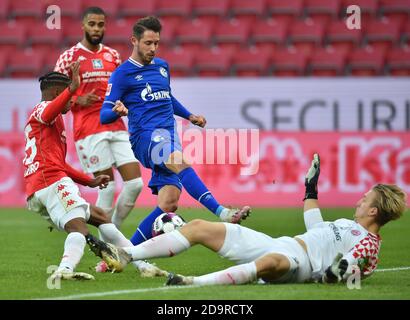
(200, 121)
(120, 108)
(101, 181)
(75, 79)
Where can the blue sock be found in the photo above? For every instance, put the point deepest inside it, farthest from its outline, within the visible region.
(144, 230)
(197, 190)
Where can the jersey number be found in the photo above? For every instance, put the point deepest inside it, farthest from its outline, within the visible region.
(30, 144)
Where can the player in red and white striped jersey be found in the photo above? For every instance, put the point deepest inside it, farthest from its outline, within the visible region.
(327, 252)
(49, 180)
(100, 147)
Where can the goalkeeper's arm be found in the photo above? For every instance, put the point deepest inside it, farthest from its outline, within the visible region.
(311, 210)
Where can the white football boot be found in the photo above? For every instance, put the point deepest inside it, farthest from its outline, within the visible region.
(235, 215)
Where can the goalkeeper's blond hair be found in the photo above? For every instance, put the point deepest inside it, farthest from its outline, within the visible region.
(391, 202)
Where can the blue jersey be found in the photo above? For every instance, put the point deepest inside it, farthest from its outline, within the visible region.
(145, 90)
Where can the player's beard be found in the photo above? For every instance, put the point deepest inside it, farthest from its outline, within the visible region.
(92, 41)
(145, 57)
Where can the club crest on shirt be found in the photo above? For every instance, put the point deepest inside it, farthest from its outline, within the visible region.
(97, 64)
(163, 72)
(94, 159)
(108, 56)
(356, 232)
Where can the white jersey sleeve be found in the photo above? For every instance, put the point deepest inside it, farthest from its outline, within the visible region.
(312, 217)
(325, 240)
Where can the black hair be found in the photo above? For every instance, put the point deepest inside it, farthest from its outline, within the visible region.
(53, 79)
(147, 23)
(93, 10)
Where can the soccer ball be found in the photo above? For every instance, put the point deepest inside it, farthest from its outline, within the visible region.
(167, 222)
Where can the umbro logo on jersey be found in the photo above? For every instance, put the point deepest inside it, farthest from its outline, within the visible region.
(139, 77)
(81, 58)
(97, 64)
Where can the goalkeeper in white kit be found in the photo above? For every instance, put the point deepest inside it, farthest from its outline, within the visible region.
(326, 252)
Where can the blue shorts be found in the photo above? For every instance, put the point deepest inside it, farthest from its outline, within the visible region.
(152, 149)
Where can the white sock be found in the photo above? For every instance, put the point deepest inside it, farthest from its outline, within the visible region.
(73, 251)
(110, 233)
(243, 273)
(106, 197)
(164, 245)
(126, 200)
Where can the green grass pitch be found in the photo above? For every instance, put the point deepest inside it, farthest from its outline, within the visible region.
(28, 248)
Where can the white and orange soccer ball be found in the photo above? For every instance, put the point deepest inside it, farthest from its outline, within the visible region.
(167, 222)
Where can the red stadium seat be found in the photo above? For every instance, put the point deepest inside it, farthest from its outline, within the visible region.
(118, 35)
(132, 10)
(306, 35)
(70, 9)
(398, 10)
(250, 62)
(40, 37)
(284, 10)
(398, 62)
(368, 8)
(322, 10)
(28, 11)
(50, 58)
(327, 62)
(213, 62)
(25, 64)
(210, 11)
(383, 33)
(366, 62)
(110, 7)
(193, 35)
(4, 9)
(341, 38)
(289, 62)
(247, 11)
(12, 36)
(3, 63)
(231, 34)
(175, 11)
(72, 33)
(406, 34)
(180, 62)
(168, 32)
(268, 34)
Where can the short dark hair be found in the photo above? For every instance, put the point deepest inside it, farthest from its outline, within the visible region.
(146, 23)
(53, 79)
(93, 10)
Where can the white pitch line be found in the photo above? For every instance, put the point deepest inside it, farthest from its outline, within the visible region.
(392, 269)
(117, 292)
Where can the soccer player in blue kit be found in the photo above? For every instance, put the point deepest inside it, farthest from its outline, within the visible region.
(140, 88)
